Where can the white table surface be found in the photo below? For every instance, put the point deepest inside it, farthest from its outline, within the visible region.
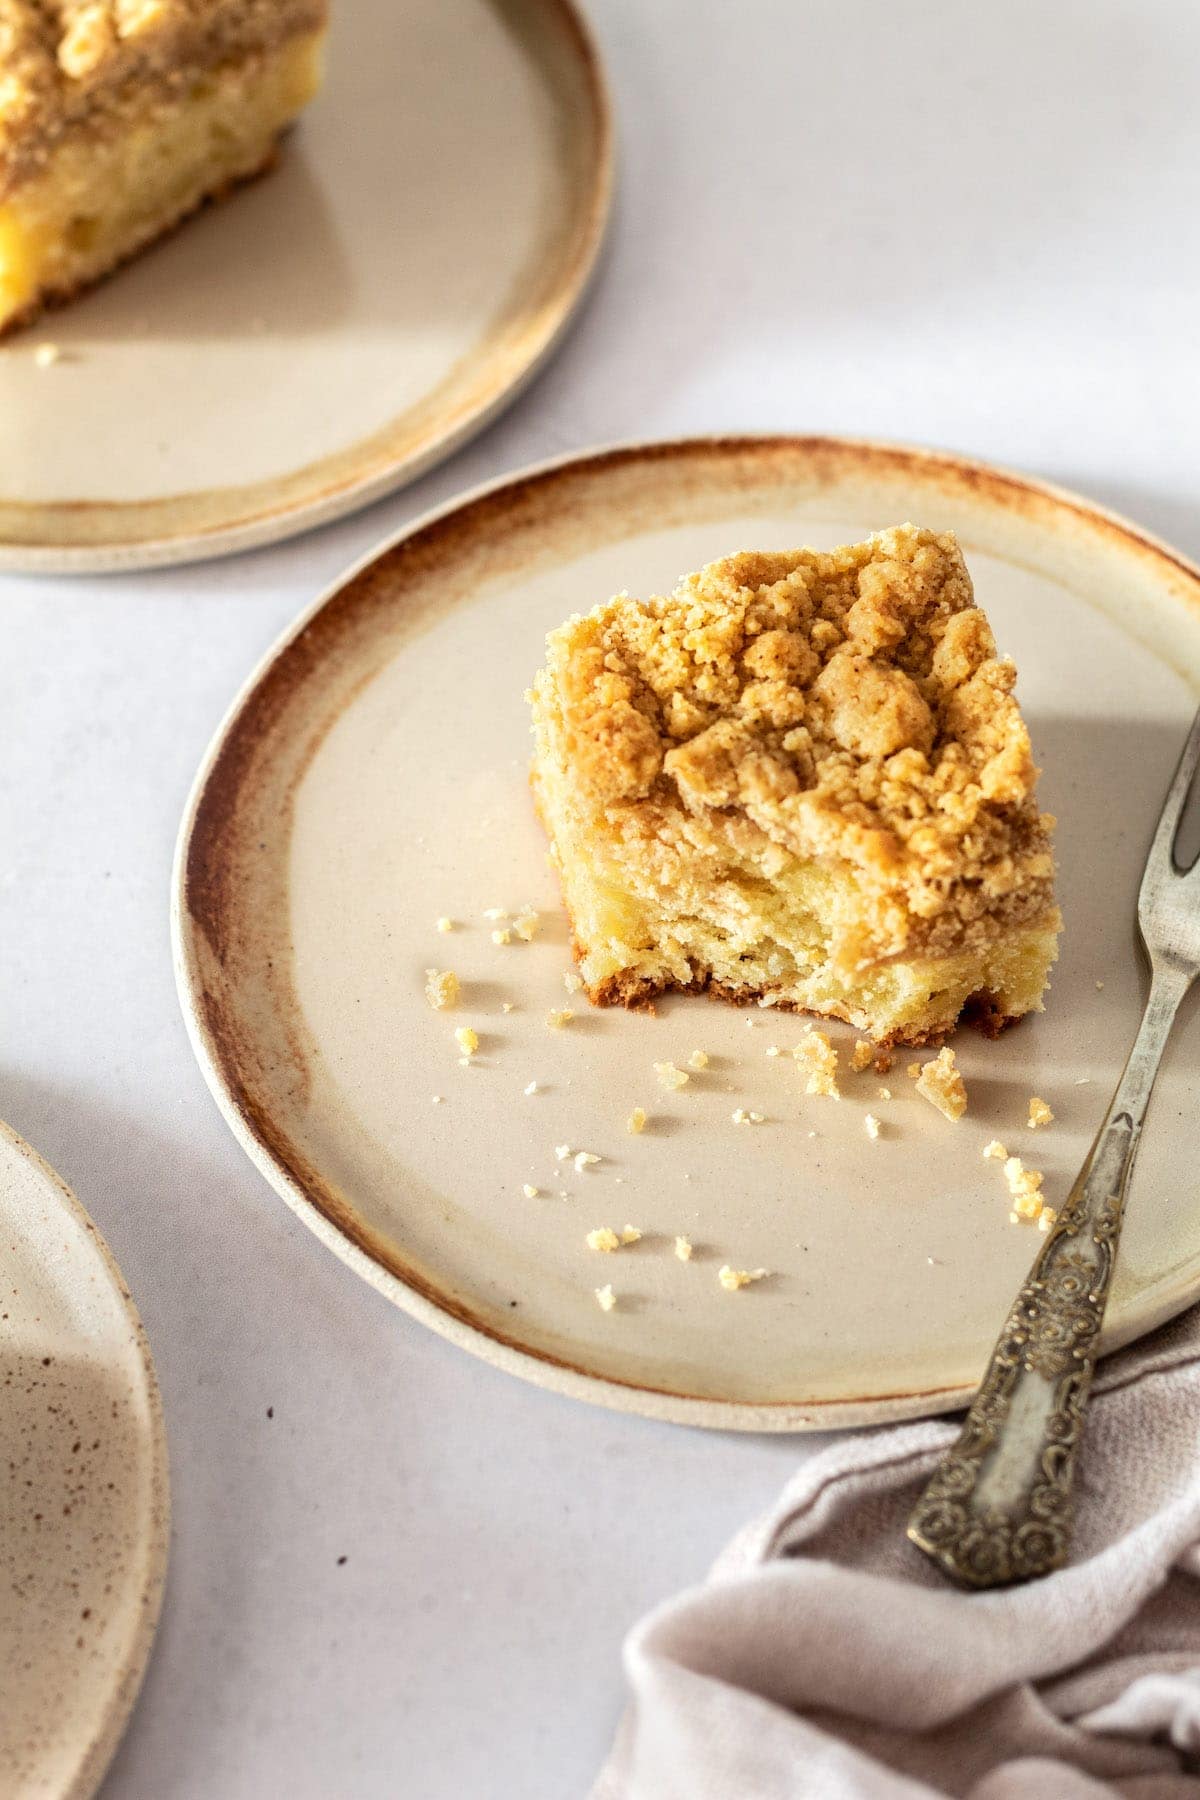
(962, 226)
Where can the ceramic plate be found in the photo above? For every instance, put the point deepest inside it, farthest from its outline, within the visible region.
(83, 1489)
(372, 777)
(329, 332)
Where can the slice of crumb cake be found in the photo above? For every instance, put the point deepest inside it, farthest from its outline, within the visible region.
(800, 779)
(119, 117)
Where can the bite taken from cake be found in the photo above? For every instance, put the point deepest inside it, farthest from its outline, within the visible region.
(801, 780)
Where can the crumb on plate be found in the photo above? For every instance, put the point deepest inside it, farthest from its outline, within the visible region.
(442, 988)
(940, 1083)
(733, 1279)
(670, 1076)
(1039, 1113)
(819, 1061)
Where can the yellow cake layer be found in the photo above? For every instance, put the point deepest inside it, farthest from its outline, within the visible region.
(104, 195)
(768, 941)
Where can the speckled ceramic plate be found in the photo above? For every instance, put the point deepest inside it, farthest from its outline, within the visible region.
(372, 777)
(83, 1489)
(329, 332)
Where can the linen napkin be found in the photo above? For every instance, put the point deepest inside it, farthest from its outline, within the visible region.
(826, 1656)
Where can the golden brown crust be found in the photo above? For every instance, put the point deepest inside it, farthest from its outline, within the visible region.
(69, 63)
(846, 707)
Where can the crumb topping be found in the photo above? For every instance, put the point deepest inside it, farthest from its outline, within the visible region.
(846, 705)
(941, 1083)
(60, 60)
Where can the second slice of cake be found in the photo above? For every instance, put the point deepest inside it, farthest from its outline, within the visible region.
(801, 779)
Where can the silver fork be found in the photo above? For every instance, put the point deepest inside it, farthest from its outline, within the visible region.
(998, 1507)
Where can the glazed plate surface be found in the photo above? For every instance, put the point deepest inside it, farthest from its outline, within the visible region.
(327, 333)
(83, 1490)
(372, 777)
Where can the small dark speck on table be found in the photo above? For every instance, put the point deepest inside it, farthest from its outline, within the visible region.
(514, 1303)
(341, 1560)
(270, 1412)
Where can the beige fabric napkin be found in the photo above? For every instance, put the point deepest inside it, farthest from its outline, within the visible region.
(825, 1657)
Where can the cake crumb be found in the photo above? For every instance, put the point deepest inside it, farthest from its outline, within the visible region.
(862, 1056)
(502, 936)
(530, 1192)
(885, 1093)
(606, 1297)
(631, 1235)
(683, 1249)
(872, 1125)
(558, 1017)
(913, 1071)
(819, 1060)
(495, 912)
(467, 1040)
(1047, 1218)
(698, 1059)
(526, 925)
(603, 1238)
(1099, 987)
(437, 1099)
(636, 1122)
(572, 982)
(742, 1117)
(584, 1159)
(941, 1084)
(445, 924)
(442, 988)
(531, 1087)
(1083, 1081)
(773, 1050)
(506, 1006)
(670, 1076)
(562, 1152)
(995, 1149)
(46, 355)
(733, 1279)
(1039, 1113)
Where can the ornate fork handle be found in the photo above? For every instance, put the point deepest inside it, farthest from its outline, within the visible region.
(998, 1507)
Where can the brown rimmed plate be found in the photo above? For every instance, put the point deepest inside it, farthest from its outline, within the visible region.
(83, 1489)
(371, 778)
(330, 332)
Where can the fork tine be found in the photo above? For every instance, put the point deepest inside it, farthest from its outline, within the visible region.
(1162, 857)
